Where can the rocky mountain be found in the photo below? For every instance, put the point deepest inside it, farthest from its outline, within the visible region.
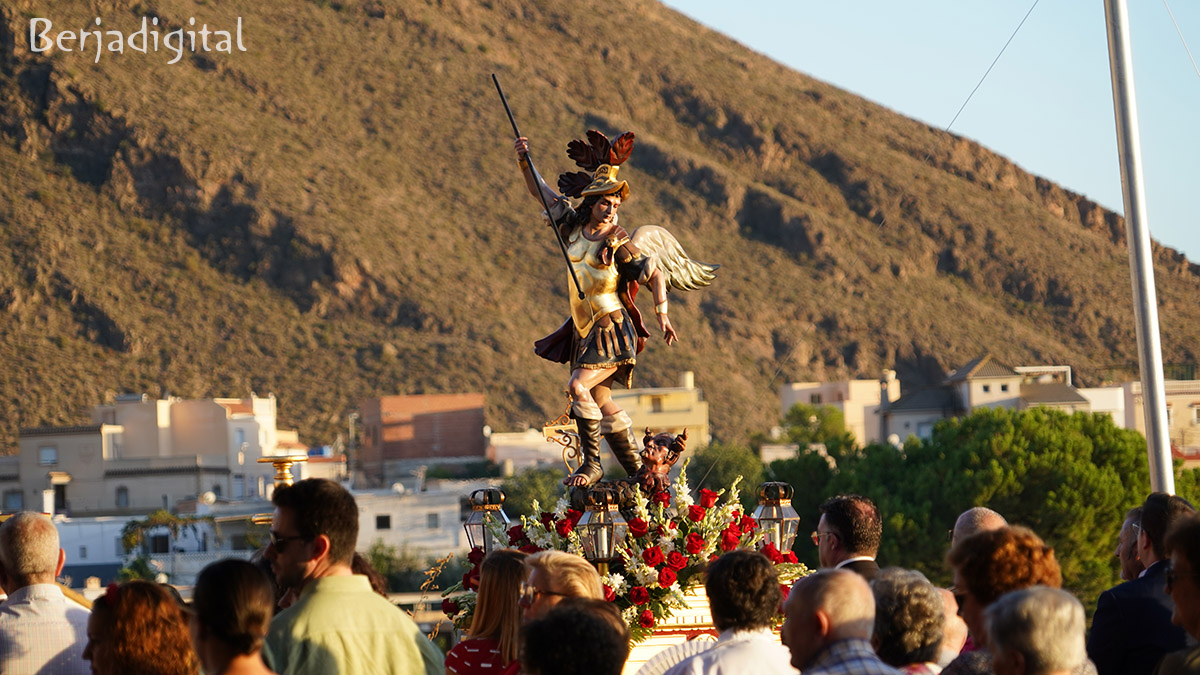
(335, 213)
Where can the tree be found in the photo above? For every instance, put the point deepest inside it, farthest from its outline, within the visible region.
(716, 466)
(543, 484)
(406, 571)
(808, 424)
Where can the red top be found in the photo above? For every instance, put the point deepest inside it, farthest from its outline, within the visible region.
(480, 656)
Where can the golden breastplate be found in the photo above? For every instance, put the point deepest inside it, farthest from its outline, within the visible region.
(597, 281)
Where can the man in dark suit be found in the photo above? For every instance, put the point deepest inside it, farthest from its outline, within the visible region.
(848, 535)
(1131, 629)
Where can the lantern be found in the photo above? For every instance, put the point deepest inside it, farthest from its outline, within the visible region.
(601, 528)
(775, 515)
(486, 509)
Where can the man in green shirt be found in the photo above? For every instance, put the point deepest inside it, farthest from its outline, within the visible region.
(338, 624)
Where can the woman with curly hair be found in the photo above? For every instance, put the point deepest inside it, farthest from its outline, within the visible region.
(232, 606)
(137, 628)
(492, 641)
(986, 566)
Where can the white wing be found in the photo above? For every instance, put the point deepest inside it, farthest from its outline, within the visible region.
(681, 271)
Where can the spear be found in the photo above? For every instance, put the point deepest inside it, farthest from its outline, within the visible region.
(553, 224)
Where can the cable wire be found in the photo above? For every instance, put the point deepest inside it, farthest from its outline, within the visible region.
(1181, 38)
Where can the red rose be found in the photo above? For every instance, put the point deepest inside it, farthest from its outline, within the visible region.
(530, 549)
(676, 560)
(574, 516)
(638, 595)
(638, 527)
(547, 520)
(785, 590)
(564, 527)
(653, 556)
(748, 524)
(671, 525)
(516, 534)
(696, 513)
(663, 498)
(733, 528)
(708, 498)
(475, 556)
(646, 619)
(729, 540)
(666, 577)
(790, 557)
(609, 594)
(773, 553)
(449, 607)
(471, 579)
(695, 543)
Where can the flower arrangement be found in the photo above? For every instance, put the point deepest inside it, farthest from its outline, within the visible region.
(670, 540)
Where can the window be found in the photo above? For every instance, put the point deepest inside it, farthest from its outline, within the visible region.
(217, 490)
(119, 549)
(383, 522)
(656, 404)
(1004, 387)
(122, 497)
(160, 543)
(1195, 413)
(48, 456)
(14, 500)
(987, 388)
(83, 553)
(239, 486)
(925, 430)
(432, 521)
(814, 398)
(239, 438)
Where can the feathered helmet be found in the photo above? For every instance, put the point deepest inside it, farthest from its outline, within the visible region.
(599, 158)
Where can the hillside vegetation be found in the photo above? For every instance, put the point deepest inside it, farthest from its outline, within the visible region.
(336, 214)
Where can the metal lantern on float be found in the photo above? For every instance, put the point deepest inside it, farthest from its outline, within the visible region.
(486, 508)
(775, 515)
(601, 528)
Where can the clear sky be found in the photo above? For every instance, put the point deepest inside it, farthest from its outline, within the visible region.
(1047, 104)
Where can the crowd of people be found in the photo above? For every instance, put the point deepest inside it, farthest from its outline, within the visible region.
(309, 606)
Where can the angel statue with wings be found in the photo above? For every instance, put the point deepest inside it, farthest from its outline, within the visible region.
(605, 333)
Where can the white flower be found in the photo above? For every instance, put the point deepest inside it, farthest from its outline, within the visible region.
(614, 581)
(561, 507)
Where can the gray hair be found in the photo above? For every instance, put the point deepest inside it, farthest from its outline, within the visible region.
(1045, 625)
(844, 596)
(909, 617)
(29, 548)
(976, 519)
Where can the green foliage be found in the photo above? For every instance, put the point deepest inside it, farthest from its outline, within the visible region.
(133, 534)
(138, 568)
(543, 484)
(1070, 478)
(807, 424)
(718, 465)
(406, 572)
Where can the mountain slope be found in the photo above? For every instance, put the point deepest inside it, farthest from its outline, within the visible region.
(336, 214)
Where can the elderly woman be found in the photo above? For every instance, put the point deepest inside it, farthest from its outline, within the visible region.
(553, 576)
(909, 619)
(986, 566)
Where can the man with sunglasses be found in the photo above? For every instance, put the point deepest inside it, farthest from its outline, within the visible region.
(337, 624)
(1131, 629)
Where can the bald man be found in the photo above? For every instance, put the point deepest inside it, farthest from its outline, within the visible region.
(41, 631)
(829, 616)
(973, 520)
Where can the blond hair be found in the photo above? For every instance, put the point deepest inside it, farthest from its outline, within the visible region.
(569, 575)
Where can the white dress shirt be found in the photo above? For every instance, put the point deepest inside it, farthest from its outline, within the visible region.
(41, 631)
